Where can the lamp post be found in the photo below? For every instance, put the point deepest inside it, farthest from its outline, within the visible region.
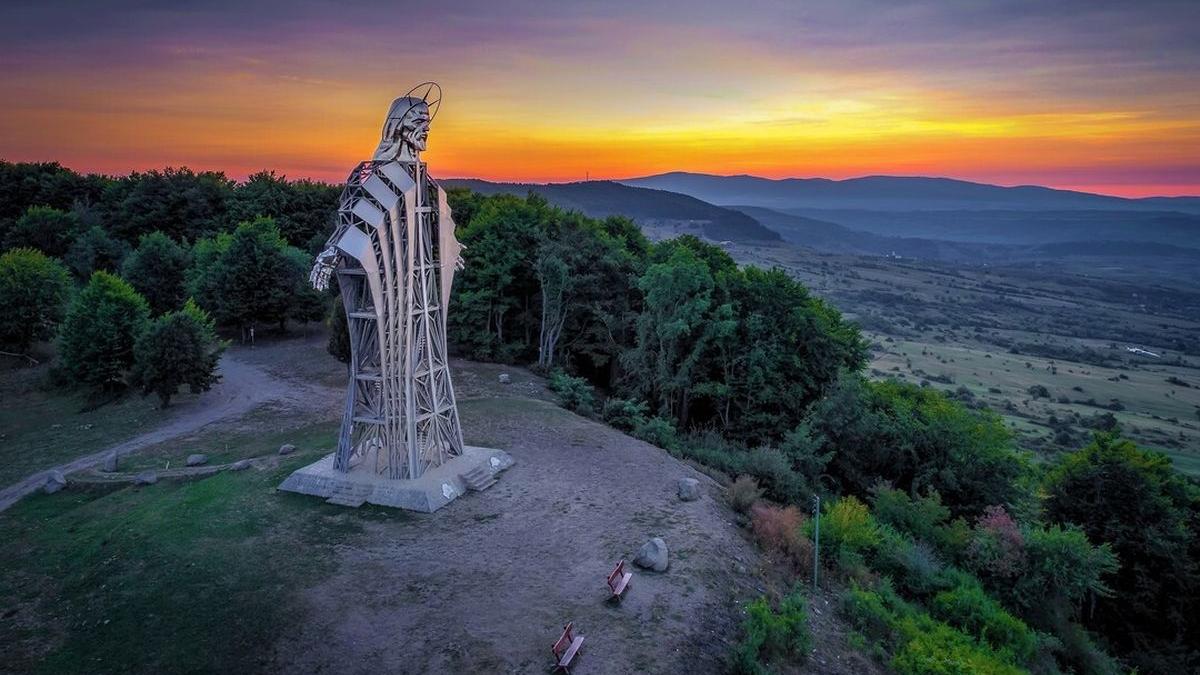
(816, 538)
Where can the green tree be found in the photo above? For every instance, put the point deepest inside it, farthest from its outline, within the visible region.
(1133, 500)
(46, 229)
(178, 348)
(94, 250)
(102, 324)
(181, 203)
(26, 184)
(919, 440)
(303, 210)
(158, 269)
(671, 336)
(33, 293)
(787, 348)
(496, 306)
(250, 277)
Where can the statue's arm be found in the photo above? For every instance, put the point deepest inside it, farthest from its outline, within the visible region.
(328, 259)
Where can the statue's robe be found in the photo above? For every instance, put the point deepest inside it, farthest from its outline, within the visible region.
(398, 256)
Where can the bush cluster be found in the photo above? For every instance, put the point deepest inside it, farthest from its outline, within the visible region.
(772, 635)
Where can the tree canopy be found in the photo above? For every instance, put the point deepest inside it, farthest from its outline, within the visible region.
(34, 290)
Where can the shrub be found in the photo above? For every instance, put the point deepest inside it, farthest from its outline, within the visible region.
(657, 431)
(967, 607)
(850, 530)
(920, 517)
(97, 338)
(33, 292)
(775, 474)
(743, 493)
(177, 348)
(574, 393)
(913, 564)
(997, 547)
(623, 414)
(1062, 568)
(781, 530)
(773, 635)
(938, 649)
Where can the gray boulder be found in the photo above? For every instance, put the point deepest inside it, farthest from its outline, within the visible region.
(240, 465)
(197, 459)
(146, 478)
(652, 555)
(110, 463)
(505, 378)
(287, 449)
(55, 481)
(689, 489)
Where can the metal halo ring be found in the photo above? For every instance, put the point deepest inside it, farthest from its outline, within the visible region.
(433, 88)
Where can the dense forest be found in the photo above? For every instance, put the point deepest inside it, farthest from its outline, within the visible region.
(958, 553)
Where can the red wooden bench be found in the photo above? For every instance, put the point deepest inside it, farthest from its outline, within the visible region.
(566, 648)
(618, 581)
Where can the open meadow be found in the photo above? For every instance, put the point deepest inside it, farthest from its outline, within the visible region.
(1045, 347)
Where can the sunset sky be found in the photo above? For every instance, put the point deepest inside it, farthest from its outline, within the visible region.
(1094, 95)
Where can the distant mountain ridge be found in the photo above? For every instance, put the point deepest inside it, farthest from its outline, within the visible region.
(600, 199)
(828, 237)
(891, 193)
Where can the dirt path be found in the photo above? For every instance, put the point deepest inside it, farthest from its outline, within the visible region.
(243, 387)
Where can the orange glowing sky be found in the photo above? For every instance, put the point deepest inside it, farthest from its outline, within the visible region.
(1089, 95)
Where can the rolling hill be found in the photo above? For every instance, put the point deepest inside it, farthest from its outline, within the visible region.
(951, 210)
(896, 193)
(600, 199)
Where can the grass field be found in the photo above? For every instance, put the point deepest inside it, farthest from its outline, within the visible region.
(173, 577)
(993, 336)
(41, 426)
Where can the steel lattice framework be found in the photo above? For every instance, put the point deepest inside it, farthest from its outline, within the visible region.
(394, 254)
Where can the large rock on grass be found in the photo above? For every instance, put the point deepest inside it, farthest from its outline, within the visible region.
(653, 555)
(55, 481)
(110, 464)
(146, 478)
(287, 449)
(197, 459)
(240, 465)
(689, 489)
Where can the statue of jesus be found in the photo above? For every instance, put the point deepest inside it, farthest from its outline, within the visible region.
(395, 255)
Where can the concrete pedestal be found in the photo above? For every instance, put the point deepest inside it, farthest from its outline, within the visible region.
(430, 492)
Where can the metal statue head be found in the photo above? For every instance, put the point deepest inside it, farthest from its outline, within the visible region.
(406, 130)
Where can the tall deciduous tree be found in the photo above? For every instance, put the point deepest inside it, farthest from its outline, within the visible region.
(95, 250)
(671, 336)
(1133, 500)
(33, 294)
(251, 277)
(46, 229)
(102, 324)
(303, 210)
(158, 269)
(181, 203)
(176, 349)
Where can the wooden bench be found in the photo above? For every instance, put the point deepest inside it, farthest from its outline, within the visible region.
(566, 648)
(618, 581)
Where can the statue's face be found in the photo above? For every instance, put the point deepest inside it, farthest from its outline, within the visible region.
(416, 131)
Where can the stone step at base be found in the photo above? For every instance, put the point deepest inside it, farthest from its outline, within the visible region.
(479, 478)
